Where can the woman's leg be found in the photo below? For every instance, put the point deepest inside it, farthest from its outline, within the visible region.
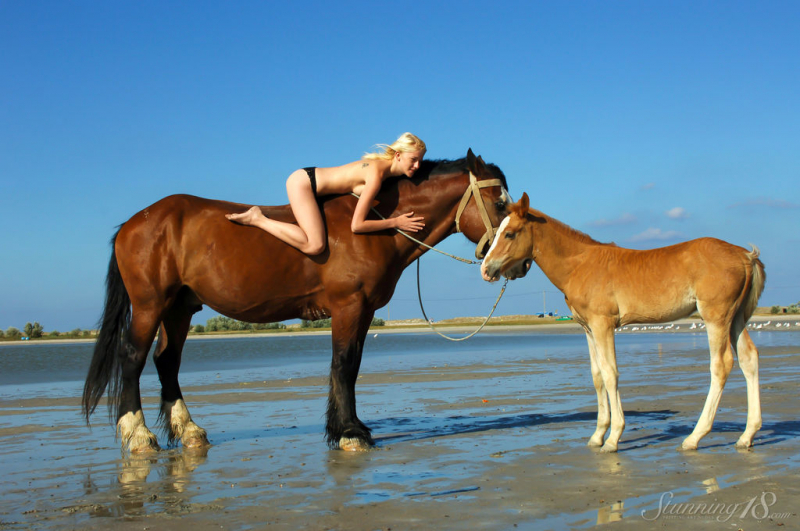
(309, 234)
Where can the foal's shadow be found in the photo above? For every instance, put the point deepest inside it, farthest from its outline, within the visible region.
(769, 434)
(436, 427)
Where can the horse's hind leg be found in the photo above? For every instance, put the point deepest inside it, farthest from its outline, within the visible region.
(748, 361)
(720, 366)
(177, 421)
(603, 413)
(130, 421)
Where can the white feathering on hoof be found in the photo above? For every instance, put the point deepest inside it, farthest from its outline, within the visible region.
(183, 428)
(135, 435)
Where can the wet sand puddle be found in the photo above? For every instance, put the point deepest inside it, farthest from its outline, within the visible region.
(462, 443)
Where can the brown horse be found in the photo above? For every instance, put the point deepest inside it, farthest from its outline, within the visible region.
(180, 253)
(606, 287)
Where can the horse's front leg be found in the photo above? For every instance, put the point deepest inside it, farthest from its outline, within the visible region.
(349, 326)
(603, 413)
(606, 358)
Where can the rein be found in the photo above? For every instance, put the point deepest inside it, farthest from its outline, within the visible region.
(473, 190)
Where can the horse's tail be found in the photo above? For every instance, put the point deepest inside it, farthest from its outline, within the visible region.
(756, 284)
(106, 367)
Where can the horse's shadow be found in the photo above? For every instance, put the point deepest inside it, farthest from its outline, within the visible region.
(436, 427)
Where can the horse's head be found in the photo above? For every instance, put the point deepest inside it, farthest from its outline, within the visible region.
(511, 254)
(479, 219)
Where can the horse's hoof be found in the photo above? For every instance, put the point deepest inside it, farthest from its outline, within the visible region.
(196, 442)
(353, 444)
(144, 449)
(687, 447)
(608, 449)
(743, 445)
(593, 443)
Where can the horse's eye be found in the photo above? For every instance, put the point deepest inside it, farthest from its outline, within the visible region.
(500, 206)
(510, 235)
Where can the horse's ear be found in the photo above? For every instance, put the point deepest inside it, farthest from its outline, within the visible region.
(471, 161)
(524, 204)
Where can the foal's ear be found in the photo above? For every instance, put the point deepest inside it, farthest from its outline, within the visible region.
(523, 205)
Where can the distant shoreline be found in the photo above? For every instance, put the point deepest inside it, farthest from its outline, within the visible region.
(467, 325)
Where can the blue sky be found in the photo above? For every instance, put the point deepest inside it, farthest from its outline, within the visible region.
(642, 123)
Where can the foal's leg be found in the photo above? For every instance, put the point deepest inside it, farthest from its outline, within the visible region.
(348, 330)
(606, 356)
(603, 413)
(177, 421)
(721, 364)
(748, 361)
(130, 422)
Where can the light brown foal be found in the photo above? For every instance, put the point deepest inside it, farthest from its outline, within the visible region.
(606, 287)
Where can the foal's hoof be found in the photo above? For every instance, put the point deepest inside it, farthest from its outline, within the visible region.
(608, 449)
(353, 444)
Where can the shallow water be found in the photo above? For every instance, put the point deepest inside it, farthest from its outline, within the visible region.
(472, 428)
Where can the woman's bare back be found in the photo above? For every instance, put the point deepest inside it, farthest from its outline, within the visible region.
(350, 177)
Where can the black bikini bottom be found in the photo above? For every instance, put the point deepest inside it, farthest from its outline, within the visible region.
(312, 176)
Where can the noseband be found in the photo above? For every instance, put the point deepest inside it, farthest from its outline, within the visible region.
(475, 190)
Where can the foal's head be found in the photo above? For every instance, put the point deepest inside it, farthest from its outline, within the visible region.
(511, 253)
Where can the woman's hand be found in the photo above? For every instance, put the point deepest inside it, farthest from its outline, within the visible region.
(409, 223)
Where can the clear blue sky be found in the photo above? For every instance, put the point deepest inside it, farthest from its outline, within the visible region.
(643, 123)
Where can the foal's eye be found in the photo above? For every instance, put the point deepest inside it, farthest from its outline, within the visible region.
(510, 235)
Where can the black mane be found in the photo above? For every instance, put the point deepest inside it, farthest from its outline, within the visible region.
(431, 168)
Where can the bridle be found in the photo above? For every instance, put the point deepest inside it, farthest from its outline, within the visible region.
(475, 190)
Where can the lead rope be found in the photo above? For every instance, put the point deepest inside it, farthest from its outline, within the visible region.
(419, 294)
(419, 291)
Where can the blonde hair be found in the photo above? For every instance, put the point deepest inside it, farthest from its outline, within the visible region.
(405, 143)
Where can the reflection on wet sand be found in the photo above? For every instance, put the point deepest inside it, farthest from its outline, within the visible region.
(610, 513)
(173, 471)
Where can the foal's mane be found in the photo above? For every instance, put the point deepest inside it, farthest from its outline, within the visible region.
(563, 228)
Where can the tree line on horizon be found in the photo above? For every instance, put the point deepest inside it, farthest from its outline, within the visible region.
(221, 323)
(35, 330)
(224, 324)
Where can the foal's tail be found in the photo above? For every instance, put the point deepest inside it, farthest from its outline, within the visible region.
(756, 287)
(106, 367)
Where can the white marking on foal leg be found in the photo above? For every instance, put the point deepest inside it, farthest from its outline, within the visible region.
(603, 413)
(721, 365)
(182, 427)
(607, 360)
(135, 435)
(748, 362)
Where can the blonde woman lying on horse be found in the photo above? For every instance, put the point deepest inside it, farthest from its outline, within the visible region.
(363, 177)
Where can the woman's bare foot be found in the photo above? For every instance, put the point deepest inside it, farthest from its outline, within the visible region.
(251, 217)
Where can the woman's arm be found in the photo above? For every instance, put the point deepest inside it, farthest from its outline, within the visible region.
(361, 224)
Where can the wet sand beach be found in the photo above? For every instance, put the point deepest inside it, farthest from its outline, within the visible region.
(485, 435)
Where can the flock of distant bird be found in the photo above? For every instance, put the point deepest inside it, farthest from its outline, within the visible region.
(700, 326)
